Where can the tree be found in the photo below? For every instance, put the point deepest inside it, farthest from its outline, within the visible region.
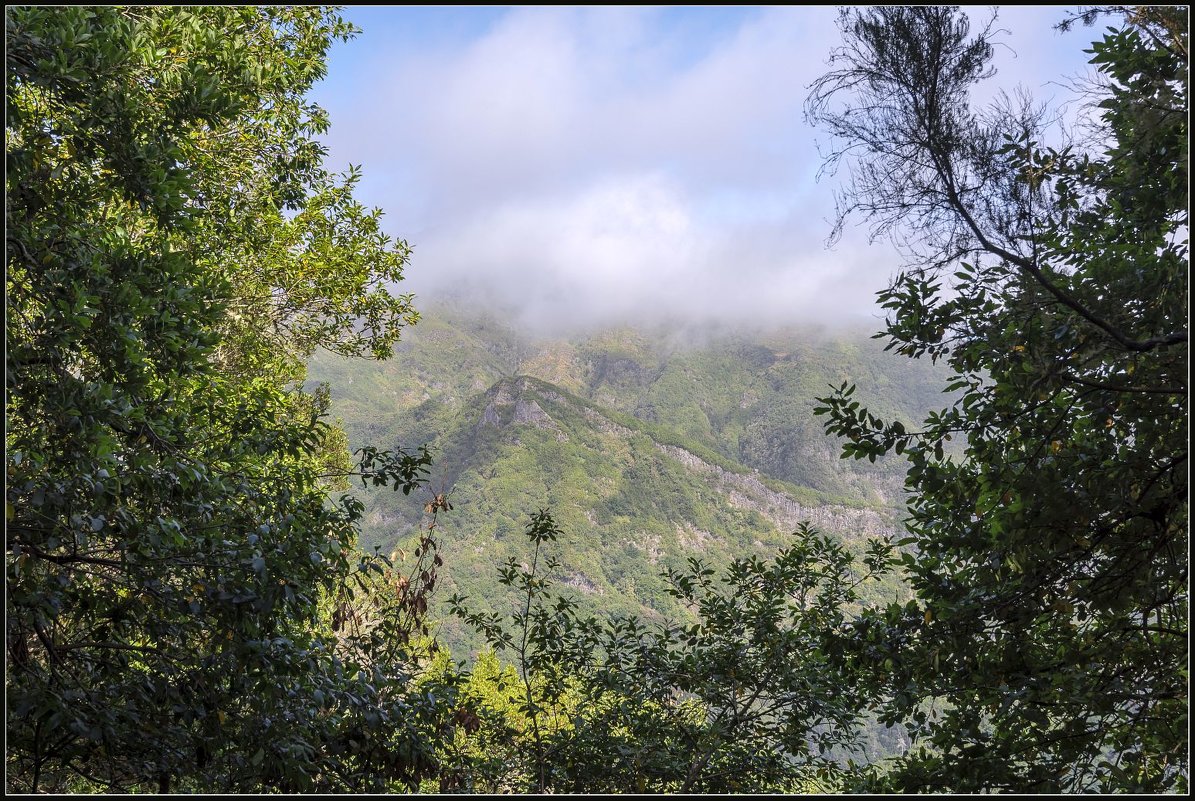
(1047, 647)
(746, 695)
(174, 252)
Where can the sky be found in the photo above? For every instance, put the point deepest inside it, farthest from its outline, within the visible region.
(594, 165)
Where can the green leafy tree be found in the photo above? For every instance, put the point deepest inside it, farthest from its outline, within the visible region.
(485, 748)
(1047, 648)
(174, 252)
(748, 696)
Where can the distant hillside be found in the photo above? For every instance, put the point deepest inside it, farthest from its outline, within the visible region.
(648, 450)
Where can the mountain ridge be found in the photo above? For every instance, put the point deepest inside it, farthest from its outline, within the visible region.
(634, 452)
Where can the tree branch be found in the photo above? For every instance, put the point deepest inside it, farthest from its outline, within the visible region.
(1063, 297)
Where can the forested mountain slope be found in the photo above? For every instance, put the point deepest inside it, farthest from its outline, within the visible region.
(648, 448)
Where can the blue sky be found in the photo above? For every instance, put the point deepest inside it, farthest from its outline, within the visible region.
(591, 165)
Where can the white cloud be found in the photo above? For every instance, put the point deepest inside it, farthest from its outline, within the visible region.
(632, 248)
(601, 163)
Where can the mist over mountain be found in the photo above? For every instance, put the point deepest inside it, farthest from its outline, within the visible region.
(627, 254)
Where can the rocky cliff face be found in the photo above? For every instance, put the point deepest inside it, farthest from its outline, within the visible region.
(748, 492)
(513, 404)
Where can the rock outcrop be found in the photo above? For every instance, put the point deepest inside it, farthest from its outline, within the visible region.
(748, 492)
(513, 403)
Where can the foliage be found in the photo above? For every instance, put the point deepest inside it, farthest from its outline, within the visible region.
(747, 697)
(174, 253)
(185, 605)
(484, 751)
(1049, 552)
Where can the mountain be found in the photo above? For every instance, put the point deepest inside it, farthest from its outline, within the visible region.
(650, 446)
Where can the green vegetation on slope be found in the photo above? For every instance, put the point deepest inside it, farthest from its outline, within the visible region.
(637, 446)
